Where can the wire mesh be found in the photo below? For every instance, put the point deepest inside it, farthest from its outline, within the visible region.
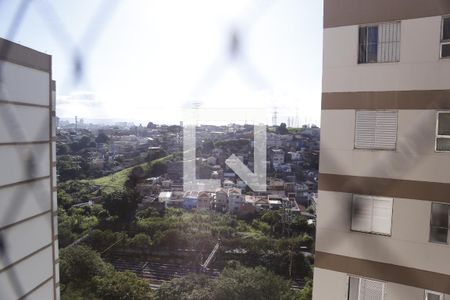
(78, 51)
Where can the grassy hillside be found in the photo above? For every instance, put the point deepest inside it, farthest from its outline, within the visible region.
(116, 181)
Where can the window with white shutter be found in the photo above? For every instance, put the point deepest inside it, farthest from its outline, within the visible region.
(372, 214)
(365, 289)
(381, 215)
(376, 130)
(379, 43)
(443, 131)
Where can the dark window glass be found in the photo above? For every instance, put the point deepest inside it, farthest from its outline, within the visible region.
(433, 297)
(368, 44)
(443, 144)
(353, 288)
(372, 43)
(439, 215)
(362, 44)
(438, 235)
(445, 52)
(446, 29)
(439, 222)
(444, 124)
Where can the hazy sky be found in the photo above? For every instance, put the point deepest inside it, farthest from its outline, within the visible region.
(152, 59)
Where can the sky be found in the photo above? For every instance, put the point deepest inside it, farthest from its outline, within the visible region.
(144, 60)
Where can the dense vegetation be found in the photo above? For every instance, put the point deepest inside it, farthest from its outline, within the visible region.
(235, 282)
(264, 239)
(84, 275)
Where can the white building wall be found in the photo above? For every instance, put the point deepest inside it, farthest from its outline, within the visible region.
(408, 245)
(342, 73)
(27, 178)
(334, 285)
(414, 158)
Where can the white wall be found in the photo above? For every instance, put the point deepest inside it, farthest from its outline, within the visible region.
(32, 123)
(15, 159)
(31, 272)
(414, 158)
(408, 246)
(26, 237)
(334, 285)
(16, 77)
(34, 199)
(420, 67)
(26, 219)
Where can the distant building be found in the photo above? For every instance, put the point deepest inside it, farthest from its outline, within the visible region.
(276, 157)
(204, 201)
(227, 184)
(165, 197)
(235, 200)
(221, 200)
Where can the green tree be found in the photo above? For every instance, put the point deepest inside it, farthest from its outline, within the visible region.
(158, 168)
(122, 204)
(68, 168)
(189, 287)
(85, 141)
(102, 138)
(62, 149)
(122, 286)
(282, 129)
(140, 241)
(238, 282)
(234, 283)
(64, 199)
(101, 240)
(306, 293)
(273, 218)
(79, 264)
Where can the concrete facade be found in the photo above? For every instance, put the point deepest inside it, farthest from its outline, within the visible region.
(413, 174)
(29, 264)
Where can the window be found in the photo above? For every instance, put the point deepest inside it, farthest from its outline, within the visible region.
(376, 130)
(440, 220)
(379, 43)
(365, 289)
(443, 131)
(372, 214)
(430, 295)
(445, 37)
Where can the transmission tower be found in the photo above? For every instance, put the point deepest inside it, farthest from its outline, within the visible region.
(274, 117)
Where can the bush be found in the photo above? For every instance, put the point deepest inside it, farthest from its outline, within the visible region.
(122, 286)
(235, 282)
(79, 264)
(192, 286)
(140, 241)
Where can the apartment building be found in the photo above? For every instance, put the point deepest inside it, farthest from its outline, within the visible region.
(384, 184)
(29, 266)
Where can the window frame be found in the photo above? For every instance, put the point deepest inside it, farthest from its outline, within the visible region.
(441, 38)
(431, 226)
(358, 58)
(373, 232)
(437, 135)
(441, 295)
(349, 276)
(375, 148)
